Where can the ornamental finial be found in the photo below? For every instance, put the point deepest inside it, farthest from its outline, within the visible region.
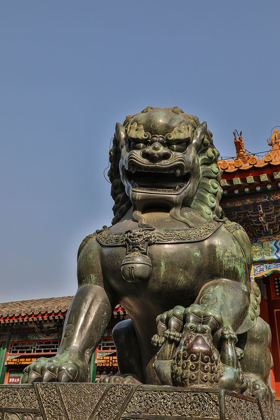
(239, 145)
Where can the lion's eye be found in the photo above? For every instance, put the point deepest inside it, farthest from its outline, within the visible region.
(179, 147)
(137, 146)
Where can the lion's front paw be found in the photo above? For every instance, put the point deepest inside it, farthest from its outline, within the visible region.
(228, 335)
(197, 314)
(260, 390)
(61, 368)
(169, 325)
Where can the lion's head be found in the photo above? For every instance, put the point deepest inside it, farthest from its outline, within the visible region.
(164, 158)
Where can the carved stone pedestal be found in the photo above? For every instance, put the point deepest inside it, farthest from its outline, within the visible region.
(54, 401)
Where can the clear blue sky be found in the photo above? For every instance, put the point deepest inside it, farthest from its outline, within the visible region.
(71, 69)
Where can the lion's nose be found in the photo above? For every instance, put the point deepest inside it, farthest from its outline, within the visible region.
(156, 152)
(156, 146)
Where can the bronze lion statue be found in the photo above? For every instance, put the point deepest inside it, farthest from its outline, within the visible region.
(179, 268)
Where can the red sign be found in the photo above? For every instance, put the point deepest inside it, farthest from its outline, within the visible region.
(14, 380)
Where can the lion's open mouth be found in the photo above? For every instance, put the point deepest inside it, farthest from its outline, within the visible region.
(157, 181)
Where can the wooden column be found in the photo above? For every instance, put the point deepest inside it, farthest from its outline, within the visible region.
(3, 368)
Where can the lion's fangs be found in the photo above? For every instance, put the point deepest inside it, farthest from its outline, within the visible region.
(133, 171)
(164, 190)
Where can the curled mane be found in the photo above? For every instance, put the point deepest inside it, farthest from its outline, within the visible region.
(122, 201)
(209, 191)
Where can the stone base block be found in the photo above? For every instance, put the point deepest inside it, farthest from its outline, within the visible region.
(79, 401)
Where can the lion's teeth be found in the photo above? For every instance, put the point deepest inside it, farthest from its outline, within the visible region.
(133, 169)
(177, 172)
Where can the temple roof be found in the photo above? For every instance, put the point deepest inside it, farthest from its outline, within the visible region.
(42, 310)
(251, 195)
(31, 307)
(246, 161)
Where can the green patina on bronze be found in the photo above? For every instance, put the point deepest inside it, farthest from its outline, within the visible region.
(179, 268)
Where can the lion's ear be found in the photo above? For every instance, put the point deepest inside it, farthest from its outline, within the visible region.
(120, 134)
(199, 135)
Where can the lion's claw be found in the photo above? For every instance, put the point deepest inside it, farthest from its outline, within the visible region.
(169, 326)
(34, 373)
(172, 335)
(157, 340)
(201, 320)
(228, 334)
(67, 372)
(61, 368)
(116, 379)
(50, 372)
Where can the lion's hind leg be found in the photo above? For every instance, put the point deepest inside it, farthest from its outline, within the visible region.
(256, 361)
(129, 356)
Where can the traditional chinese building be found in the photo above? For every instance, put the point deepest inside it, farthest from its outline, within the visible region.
(29, 329)
(251, 186)
(32, 328)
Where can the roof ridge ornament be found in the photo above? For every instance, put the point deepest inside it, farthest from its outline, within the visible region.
(241, 152)
(275, 140)
(245, 160)
(273, 155)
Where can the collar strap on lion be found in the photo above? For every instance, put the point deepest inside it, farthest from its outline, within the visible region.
(146, 237)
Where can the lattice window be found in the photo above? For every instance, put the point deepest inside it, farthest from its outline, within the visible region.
(35, 347)
(46, 346)
(107, 344)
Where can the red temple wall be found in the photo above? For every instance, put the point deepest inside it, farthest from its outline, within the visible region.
(270, 312)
